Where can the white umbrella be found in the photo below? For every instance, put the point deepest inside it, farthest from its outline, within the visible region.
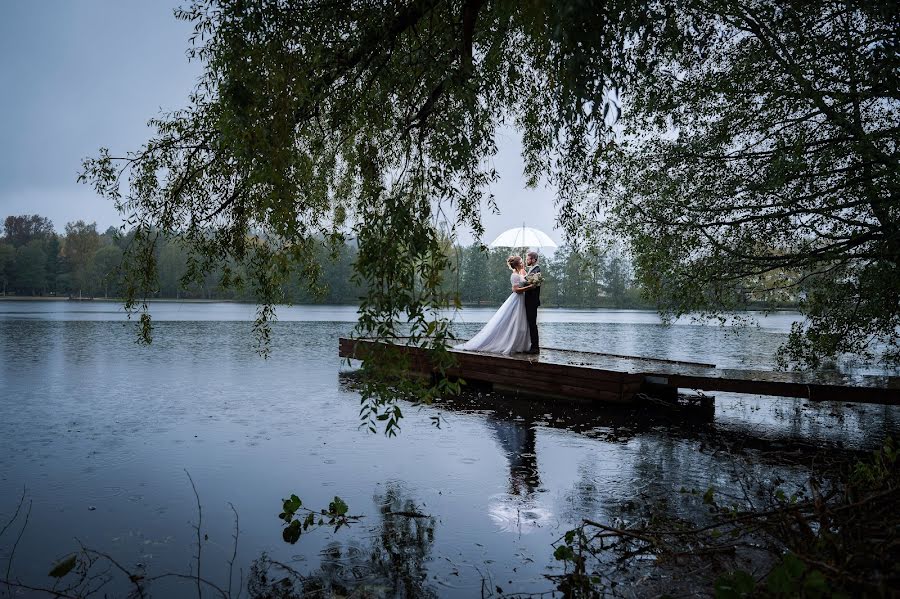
(523, 237)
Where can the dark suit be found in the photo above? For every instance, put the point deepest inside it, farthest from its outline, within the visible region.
(532, 301)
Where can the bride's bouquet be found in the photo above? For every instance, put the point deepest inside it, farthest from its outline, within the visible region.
(534, 279)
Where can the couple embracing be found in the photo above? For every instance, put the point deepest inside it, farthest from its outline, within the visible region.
(513, 328)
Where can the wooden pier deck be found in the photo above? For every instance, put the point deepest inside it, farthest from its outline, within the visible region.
(613, 378)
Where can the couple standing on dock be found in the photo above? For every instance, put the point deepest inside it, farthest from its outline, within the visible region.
(513, 328)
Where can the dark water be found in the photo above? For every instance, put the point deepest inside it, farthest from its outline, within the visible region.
(100, 433)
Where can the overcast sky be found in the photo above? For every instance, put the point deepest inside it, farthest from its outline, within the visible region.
(78, 75)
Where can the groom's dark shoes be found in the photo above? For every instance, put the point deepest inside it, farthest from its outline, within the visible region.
(534, 350)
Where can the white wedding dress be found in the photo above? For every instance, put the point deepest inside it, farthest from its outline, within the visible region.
(507, 330)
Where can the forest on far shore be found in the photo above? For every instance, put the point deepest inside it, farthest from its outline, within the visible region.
(82, 262)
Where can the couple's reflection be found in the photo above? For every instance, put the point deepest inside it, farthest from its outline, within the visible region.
(518, 440)
(519, 509)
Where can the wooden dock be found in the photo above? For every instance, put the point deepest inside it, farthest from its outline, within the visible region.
(613, 378)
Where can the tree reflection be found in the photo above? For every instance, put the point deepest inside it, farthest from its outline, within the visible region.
(391, 564)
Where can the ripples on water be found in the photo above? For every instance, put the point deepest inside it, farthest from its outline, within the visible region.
(100, 432)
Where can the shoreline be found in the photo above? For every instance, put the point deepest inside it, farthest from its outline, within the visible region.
(57, 298)
(118, 300)
(32, 298)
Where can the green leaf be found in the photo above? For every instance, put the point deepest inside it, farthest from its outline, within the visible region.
(291, 534)
(564, 553)
(290, 507)
(736, 585)
(784, 579)
(815, 584)
(64, 566)
(338, 507)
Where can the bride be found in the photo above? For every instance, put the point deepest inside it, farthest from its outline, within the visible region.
(507, 330)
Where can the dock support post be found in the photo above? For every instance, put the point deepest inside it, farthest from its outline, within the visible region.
(658, 386)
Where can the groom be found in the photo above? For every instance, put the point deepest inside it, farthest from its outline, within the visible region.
(532, 301)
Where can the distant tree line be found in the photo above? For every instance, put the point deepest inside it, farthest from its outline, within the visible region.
(37, 261)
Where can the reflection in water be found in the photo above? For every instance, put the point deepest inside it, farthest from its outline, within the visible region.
(392, 564)
(515, 424)
(520, 509)
(518, 439)
(86, 416)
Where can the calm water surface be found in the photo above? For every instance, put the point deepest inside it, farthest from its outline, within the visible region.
(100, 433)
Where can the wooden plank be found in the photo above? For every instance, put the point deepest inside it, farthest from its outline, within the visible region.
(604, 354)
(561, 367)
(594, 380)
(585, 385)
(814, 392)
(529, 376)
(482, 362)
(646, 359)
(567, 394)
(538, 375)
(545, 370)
(545, 382)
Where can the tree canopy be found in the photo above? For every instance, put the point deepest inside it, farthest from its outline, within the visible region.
(768, 162)
(723, 139)
(19, 230)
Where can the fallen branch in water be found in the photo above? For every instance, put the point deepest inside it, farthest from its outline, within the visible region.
(843, 539)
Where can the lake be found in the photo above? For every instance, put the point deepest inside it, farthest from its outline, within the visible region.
(101, 433)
